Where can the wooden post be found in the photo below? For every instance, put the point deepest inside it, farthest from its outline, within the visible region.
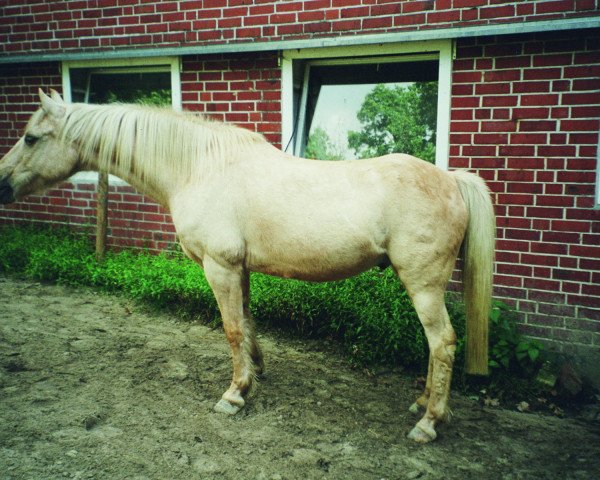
(102, 215)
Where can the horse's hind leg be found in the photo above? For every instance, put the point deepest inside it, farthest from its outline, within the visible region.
(429, 304)
(228, 284)
(423, 400)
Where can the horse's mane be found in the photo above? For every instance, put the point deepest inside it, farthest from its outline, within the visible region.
(151, 142)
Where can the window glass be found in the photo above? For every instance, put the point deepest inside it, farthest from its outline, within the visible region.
(368, 120)
(120, 85)
(367, 109)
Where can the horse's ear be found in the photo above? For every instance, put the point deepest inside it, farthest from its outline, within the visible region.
(51, 107)
(54, 95)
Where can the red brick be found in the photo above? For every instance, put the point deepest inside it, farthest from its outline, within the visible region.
(513, 62)
(418, 6)
(531, 87)
(497, 12)
(516, 199)
(490, 138)
(537, 126)
(479, 150)
(446, 16)
(517, 150)
(353, 12)
(580, 125)
(506, 126)
(501, 76)
(590, 98)
(377, 22)
(500, 101)
(525, 187)
(492, 88)
(545, 212)
(464, 126)
(587, 111)
(288, 6)
(571, 226)
(462, 89)
(557, 6)
(531, 112)
(507, 280)
(282, 18)
(513, 222)
(514, 269)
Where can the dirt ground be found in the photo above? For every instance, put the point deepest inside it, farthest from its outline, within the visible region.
(93, 386)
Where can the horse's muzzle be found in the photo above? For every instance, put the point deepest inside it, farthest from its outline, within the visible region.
(7, 194)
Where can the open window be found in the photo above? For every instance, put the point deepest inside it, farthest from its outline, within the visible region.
(325, 88)
(145, 80)
(121, 84)
(152, 80)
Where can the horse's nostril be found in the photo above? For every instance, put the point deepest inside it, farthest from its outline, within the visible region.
(7, 194)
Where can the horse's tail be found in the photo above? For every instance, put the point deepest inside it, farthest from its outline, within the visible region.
(478, 254)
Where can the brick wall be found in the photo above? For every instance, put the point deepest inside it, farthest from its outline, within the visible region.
(526, 117)
(51, 25)
(236, 88)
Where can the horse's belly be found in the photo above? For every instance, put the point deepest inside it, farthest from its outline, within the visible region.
(314, 263)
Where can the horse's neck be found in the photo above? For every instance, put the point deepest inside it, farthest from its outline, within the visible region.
(156, 188)
(171, 153)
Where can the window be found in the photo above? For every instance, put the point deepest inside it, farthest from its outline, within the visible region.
(121, 80)
(149, 80)
(324, 88)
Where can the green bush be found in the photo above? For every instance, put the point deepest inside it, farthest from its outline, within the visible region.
(370, 314)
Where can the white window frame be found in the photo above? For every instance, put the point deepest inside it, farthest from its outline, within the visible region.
(441, 50)
(597, 196)
(129, 65)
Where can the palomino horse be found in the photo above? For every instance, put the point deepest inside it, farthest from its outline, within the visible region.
(241, 205)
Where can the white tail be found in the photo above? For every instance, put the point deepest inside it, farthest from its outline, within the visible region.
(478, 252)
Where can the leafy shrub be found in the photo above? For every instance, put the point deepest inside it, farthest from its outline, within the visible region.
(370, 314)
(510, 352)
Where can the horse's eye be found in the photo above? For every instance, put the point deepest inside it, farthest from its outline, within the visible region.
(30, 140)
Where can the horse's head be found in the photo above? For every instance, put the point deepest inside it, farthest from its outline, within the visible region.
(40, 159)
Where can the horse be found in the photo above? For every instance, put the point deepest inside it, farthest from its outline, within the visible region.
(241, 205)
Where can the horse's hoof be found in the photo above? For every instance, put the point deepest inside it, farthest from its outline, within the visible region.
(414, 408)
(421, 436)
(223, 406)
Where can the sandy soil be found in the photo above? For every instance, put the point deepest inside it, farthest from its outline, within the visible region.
(92, 386)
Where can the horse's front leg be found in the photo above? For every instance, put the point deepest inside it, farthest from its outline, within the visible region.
(229, 283)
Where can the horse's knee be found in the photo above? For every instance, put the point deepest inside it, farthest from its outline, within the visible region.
(444, 349)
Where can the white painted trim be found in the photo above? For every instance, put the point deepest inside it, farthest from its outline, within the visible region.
(301, 126)
(409, 51)
(442, 146)
(597, 196)
(287, 104)
(357, 51)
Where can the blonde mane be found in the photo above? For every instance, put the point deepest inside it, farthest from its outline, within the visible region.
(150, 142)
